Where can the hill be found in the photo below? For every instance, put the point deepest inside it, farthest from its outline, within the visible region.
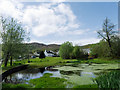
(53, 47)
(41, 46)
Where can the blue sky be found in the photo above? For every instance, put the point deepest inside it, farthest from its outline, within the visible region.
(92, 14)
(55, 23)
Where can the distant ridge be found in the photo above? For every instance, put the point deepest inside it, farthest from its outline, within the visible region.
(54, 47)
(41, 46)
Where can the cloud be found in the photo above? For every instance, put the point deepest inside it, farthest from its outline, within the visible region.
(79, 42)
(86, 41)
(11, 8)
(69, 1)
(50, 19)
(45, 19)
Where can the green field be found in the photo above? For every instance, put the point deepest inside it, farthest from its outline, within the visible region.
(53, 61)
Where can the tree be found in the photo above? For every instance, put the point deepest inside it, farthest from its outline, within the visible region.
(107, 33)
(77, 52)
(100, 50)
(66, 50)
(42, 55)
(13, 36)
(116, 46)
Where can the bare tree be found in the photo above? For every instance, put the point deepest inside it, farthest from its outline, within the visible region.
(107, 32)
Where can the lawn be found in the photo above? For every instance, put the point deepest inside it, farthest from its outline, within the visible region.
(101, 61)
(36, 62)
(53, 61)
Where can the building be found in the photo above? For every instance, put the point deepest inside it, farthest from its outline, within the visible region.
(87, 50)
(49, 53)
(36, 54)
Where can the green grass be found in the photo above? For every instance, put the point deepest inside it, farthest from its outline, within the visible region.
(48, 82)
(8, 85)
(100, 61)
(48, 61)
(53, 61)
(87, 86)
(36, 62)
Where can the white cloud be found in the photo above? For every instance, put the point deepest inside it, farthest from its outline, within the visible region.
(79, 42)
(69, 1)
(48, 19)
(45, 19)
(11, 8)
(86, 41)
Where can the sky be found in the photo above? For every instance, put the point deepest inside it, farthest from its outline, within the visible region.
(58, 22)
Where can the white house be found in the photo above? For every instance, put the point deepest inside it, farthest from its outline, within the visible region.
(49, 53)
(57, 52)
(87, 50)
(36, 54)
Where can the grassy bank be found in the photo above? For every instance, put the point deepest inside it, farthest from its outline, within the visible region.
(36, 62)
(53, 61)
(101, 61)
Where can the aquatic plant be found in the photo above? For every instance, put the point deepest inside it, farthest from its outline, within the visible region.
(109, 80)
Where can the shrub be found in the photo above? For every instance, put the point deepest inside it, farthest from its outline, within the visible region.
(66, 50)
(79, 53)
(100, 50)
(116, 46)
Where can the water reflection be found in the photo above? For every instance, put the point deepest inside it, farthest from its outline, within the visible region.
(88, 74)
(79, 73)
(28, 74)
(68, 72)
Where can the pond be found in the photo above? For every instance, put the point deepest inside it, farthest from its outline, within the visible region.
(79, 74)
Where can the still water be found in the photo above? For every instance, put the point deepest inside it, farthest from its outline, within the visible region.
(76, 73)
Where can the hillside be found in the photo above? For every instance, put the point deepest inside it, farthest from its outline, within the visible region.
(54, 47)
(87, 46)
(41, 46)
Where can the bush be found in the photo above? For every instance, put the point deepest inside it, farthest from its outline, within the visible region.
(66, 50)
(109, 80)
(78, 53)
(100, 50)
(116, 46)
